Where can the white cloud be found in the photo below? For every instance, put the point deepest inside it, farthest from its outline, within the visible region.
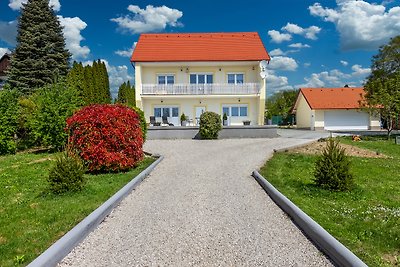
(276, 83)
(150, 19)
(278, 37)
(17, 4)
(117, 75)
(336, 78)
(344, 63)
(283, 63)
(361, 25)
(276, 52)
(127, 52)
(309, 33)
(8, 32)
(307, 64)
(359, 71)
(299, 45)
(4, 51)
(72, 33)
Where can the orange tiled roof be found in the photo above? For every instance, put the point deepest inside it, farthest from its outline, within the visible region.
(333, 98)
(238, 46)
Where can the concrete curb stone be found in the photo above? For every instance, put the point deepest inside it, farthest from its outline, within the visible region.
(337, 252)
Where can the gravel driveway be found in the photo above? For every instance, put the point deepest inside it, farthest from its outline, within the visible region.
(200, 207)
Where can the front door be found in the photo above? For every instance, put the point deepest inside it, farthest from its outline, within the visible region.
(199, 111)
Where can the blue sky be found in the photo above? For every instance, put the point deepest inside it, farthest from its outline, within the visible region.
(312, 43)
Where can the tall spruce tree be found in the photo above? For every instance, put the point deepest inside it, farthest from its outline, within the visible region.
(40, 56)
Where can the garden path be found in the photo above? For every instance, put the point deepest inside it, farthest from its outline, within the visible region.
(200, 207)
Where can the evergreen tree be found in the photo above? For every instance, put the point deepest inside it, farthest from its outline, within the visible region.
(88, 85)
(105, 83)
(76, 77)
(126, 94)
(130, 95)
(122, 94)
(91, 82)
(40, 56)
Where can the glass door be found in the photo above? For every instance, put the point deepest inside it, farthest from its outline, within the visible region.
(201, 83)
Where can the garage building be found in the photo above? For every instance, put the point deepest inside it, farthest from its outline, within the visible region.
(333, 109)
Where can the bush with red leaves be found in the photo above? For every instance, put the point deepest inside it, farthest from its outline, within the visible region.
(107, 137)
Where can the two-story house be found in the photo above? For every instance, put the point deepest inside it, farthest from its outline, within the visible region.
(195, 72)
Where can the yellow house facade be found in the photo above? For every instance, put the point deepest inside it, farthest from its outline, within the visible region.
(189, 74)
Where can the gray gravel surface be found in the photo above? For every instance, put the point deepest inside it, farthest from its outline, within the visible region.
(200, 207)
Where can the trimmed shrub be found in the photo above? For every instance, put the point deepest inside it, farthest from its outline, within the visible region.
(143, 123)
(107, 137)
(67, 174)
(53, 105)
(8, 121)
(210, 125)
(332, 168)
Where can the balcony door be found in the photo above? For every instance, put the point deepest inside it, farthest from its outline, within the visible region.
(201, 83)
(172, 113)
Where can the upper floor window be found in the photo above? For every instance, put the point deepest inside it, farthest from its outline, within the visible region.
(236, 78)
(165, 79)
(201, 78)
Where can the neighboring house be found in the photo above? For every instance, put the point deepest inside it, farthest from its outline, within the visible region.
(4, 65)
(333, 109)
(195, 72)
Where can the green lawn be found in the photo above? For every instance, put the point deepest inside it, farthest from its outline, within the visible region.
(367, 219)
(31, 218)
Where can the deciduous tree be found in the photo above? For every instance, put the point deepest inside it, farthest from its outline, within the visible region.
(382, 89)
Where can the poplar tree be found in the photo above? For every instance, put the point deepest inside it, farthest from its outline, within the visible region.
(126, 94)
(40, 56)
(91, 82)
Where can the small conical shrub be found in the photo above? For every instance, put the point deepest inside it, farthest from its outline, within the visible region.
(67, 174)
(332, 168)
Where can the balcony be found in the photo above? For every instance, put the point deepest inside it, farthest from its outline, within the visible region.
(202, 89)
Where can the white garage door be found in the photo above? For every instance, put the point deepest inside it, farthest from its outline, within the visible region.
(346, 120)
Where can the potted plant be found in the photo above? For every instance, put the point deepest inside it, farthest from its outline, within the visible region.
(246, 122)
(225, 120)
(183, 120)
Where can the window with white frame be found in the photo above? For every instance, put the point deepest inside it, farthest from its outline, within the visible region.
(169, 111)
(236, 78)
(165, 79)
(235, 110)
(201, 78)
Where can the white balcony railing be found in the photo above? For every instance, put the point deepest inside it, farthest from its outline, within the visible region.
(201, 89)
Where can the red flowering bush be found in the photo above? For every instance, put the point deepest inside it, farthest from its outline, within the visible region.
(106, 137)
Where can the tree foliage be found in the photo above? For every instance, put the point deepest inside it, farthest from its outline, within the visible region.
(53, 105)
(40, 56)
(126, 94)
(8, 121)
(91, 82)
(382, 89)
(281, 104)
